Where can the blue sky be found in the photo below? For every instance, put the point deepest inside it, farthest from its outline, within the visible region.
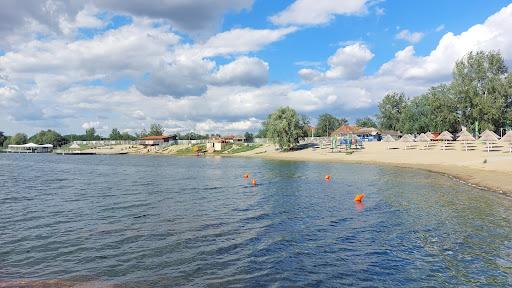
(222, 66)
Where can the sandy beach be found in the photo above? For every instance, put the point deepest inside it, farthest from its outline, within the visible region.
(491, 170)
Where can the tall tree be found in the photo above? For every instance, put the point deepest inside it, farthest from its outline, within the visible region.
(2, 138)
(249, 137)
(480, 83)
(48, 137)
(285, 127)
(390, 110)
(90, 134)
(156, 130)
(327, 123)
(19, 139)
(343, 121)
(366, 122)
(115, 135)
(442, 109)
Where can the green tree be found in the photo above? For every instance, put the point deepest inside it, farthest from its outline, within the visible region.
(366, 122)
(143, 133)
(262, 133)
(343, 122)
(48, 137)
(414, 116)
(115, 135)
(127, 136)
(442, 109)
(390, 110)
(285, 127)
(327, 123)
(2, 138)
(156, 130)
(249, 137)
(482, 89)
(19, 139)
(90, 134)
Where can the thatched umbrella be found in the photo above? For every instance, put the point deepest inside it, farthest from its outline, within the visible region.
(507, 138)
(465, 136)
(423, 138)
(430, 136)
(445, 136)
(406, 139)
(488, 137)
(388, 139)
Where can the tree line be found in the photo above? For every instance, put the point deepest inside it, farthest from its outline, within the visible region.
(478, 98)
(57, 140)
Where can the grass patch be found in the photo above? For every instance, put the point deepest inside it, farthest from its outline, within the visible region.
(242, 148)
(190, 150)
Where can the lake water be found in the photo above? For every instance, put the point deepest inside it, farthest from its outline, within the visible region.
(184, 221)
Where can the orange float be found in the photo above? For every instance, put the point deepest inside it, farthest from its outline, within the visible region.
(246, 176)
(359, 198)
(253, 181)
(327, 177)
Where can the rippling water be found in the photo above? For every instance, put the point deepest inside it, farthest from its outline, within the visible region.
(179, 221)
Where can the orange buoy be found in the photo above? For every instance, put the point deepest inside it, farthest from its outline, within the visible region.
(359, 198)
(253, 182)
(327, 177)
(246, 176)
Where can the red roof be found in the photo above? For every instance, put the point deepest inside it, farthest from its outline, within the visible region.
(163, 137)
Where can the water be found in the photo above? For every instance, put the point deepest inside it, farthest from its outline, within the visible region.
(180, 221)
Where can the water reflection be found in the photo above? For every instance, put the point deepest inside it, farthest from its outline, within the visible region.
(162, 221)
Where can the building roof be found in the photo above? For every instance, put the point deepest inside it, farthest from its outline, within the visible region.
(32, 145)
(345, 129)
(162, 137)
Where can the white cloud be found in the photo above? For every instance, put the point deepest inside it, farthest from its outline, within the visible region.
(244, 71)
(347, 63)
(411, 37)
(380, 11)
(314, 12)
(237, 41)
(91, 124)
(440, 28)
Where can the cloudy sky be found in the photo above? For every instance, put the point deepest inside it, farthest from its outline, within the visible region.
(220, 66)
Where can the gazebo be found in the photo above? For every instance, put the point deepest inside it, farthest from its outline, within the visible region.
(407, 138)
(465, 136)
(507, 138)
(388, 139)
(445, 136)
(488, 137)
(423, 138)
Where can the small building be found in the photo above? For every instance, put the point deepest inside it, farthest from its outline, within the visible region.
(239, 139)
(30, 148)
(345, 130)
(157, 140)
(215, 144)
(368, 134)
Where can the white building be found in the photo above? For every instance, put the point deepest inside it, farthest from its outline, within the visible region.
(30, 148)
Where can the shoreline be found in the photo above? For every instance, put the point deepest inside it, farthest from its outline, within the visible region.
(483, 170)
(497, 178)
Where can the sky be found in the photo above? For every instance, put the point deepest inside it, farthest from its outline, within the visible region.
(221, 66)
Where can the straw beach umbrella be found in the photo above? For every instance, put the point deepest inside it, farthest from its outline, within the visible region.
(430, 136)
(423, 138)
(445, 136)
(388, 139)
(507, 138)
(488, 137)
(407, 138)
(465, 136)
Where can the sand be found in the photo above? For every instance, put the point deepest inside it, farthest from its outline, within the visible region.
(495, 174)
